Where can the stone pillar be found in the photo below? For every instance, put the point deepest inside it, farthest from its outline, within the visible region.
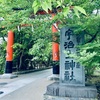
(72, 72)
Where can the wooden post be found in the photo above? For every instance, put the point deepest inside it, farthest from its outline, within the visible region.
(55, 51)
(55, 48)
(9, 55)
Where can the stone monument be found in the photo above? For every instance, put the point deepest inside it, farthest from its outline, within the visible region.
(71, 72)
(71, 85)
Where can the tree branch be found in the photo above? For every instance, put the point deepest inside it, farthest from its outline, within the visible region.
(93, 37)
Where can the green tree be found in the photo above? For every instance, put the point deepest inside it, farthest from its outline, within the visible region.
(16, 14)
(69, 12)
(89, 25)
(41, 52)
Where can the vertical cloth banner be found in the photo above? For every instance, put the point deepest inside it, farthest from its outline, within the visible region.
(55, 46)
(9, 55)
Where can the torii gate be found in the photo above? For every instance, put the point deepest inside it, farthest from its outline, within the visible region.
(9, 51)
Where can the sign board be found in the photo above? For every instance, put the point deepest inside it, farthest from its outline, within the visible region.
(71, 72)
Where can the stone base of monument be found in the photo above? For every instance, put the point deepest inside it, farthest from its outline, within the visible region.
(8, 76)
(57, 91)
(54, 77)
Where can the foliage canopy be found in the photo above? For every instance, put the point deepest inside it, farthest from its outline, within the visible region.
(36, 42)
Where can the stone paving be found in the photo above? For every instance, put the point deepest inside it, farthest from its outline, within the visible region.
(30, 86)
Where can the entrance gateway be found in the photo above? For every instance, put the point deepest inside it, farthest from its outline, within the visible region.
(71, 85)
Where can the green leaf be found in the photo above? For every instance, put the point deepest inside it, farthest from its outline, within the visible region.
(49, 4)
(80, 9)
(35, 6)
(35, 3)
(66, 11)
(45, 6)
(76, 12)
(59, 3)
(35, 9)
